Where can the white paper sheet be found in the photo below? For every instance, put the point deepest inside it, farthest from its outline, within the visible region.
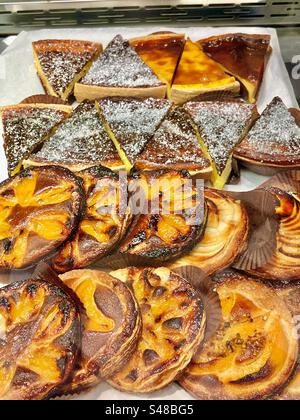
(18, 80)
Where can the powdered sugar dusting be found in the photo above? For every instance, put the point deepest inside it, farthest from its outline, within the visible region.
(120, 66)
(24, 129)
(175, 142)
(134, 121)
(276, 131)
(80, 139)
(221, 125)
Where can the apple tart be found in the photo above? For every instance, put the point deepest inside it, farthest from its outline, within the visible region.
(40, 338)
(173, 327)
(171, 221)
(39, 211)
(103, 224)
(255, 350)
(111, 326)
(225, 235)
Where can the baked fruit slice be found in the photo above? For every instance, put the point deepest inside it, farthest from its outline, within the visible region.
(25, 127)
(283, 263)
(273, 142)
(119, 71)
(221, 126)
(175, 146)
(111, 326)
(198, 74)
(39, 211)
(173, 327)
(62, 63)
(225, 235)
(243, 55)
(291, 295)
(162, 52)
(254, 351)
(131, 122)
(103, 224)
(40, 339)
(79, 143)
(170, 221)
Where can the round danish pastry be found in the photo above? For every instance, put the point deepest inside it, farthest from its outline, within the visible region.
(104, 223)
(40, 338)
(39, 210)
(171, 219)
(173, 327)
(283, 262)
(225, 234)
(255, 350)
(111, 326)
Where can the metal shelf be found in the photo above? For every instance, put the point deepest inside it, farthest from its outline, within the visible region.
(28, 15)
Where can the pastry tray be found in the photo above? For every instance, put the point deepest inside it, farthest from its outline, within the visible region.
(18, 80)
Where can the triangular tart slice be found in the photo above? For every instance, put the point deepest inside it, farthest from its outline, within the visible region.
(62, 63)
(175, 146)
(221, 126)
(162, 52)
(131, 123)
(25, 127)
(119, 71)
(198, 74)
(242, 55)
(274, 140)
(79, 143)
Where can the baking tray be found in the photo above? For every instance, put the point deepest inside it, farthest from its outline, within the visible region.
(18, 80)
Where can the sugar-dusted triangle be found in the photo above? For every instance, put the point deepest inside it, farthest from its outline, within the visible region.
(119, 71)
(175, 146)
(62, 63)
(242, 55)
(131, 123)
(198, 74)
(25, 127)
(221, 126)
(79, 143)
(274, 140)
(162, 52)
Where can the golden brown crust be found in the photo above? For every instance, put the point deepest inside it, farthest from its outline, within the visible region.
(42, 329)
(111, 326)
(255, 350)
(225, 235)
(83, 92)
(173, 327)
(103, 224)
(40, 210)
(181, 94)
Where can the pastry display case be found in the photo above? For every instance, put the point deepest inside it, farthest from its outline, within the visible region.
(150, 202)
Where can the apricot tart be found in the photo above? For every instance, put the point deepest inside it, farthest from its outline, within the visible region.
(255, 350)
(26, 127)
(39, 211)
(171, 221)
(40, 338)
(175, 146)
(162, 52)
(173, 327)
(244, 56)
(103, 224)
(273, 142)
(225, 235)
(79, 143)
(221, 126)
(111, 326)
(198, 74)
(283, 263)
(119, 71)
(62, 63)
(131, 122)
